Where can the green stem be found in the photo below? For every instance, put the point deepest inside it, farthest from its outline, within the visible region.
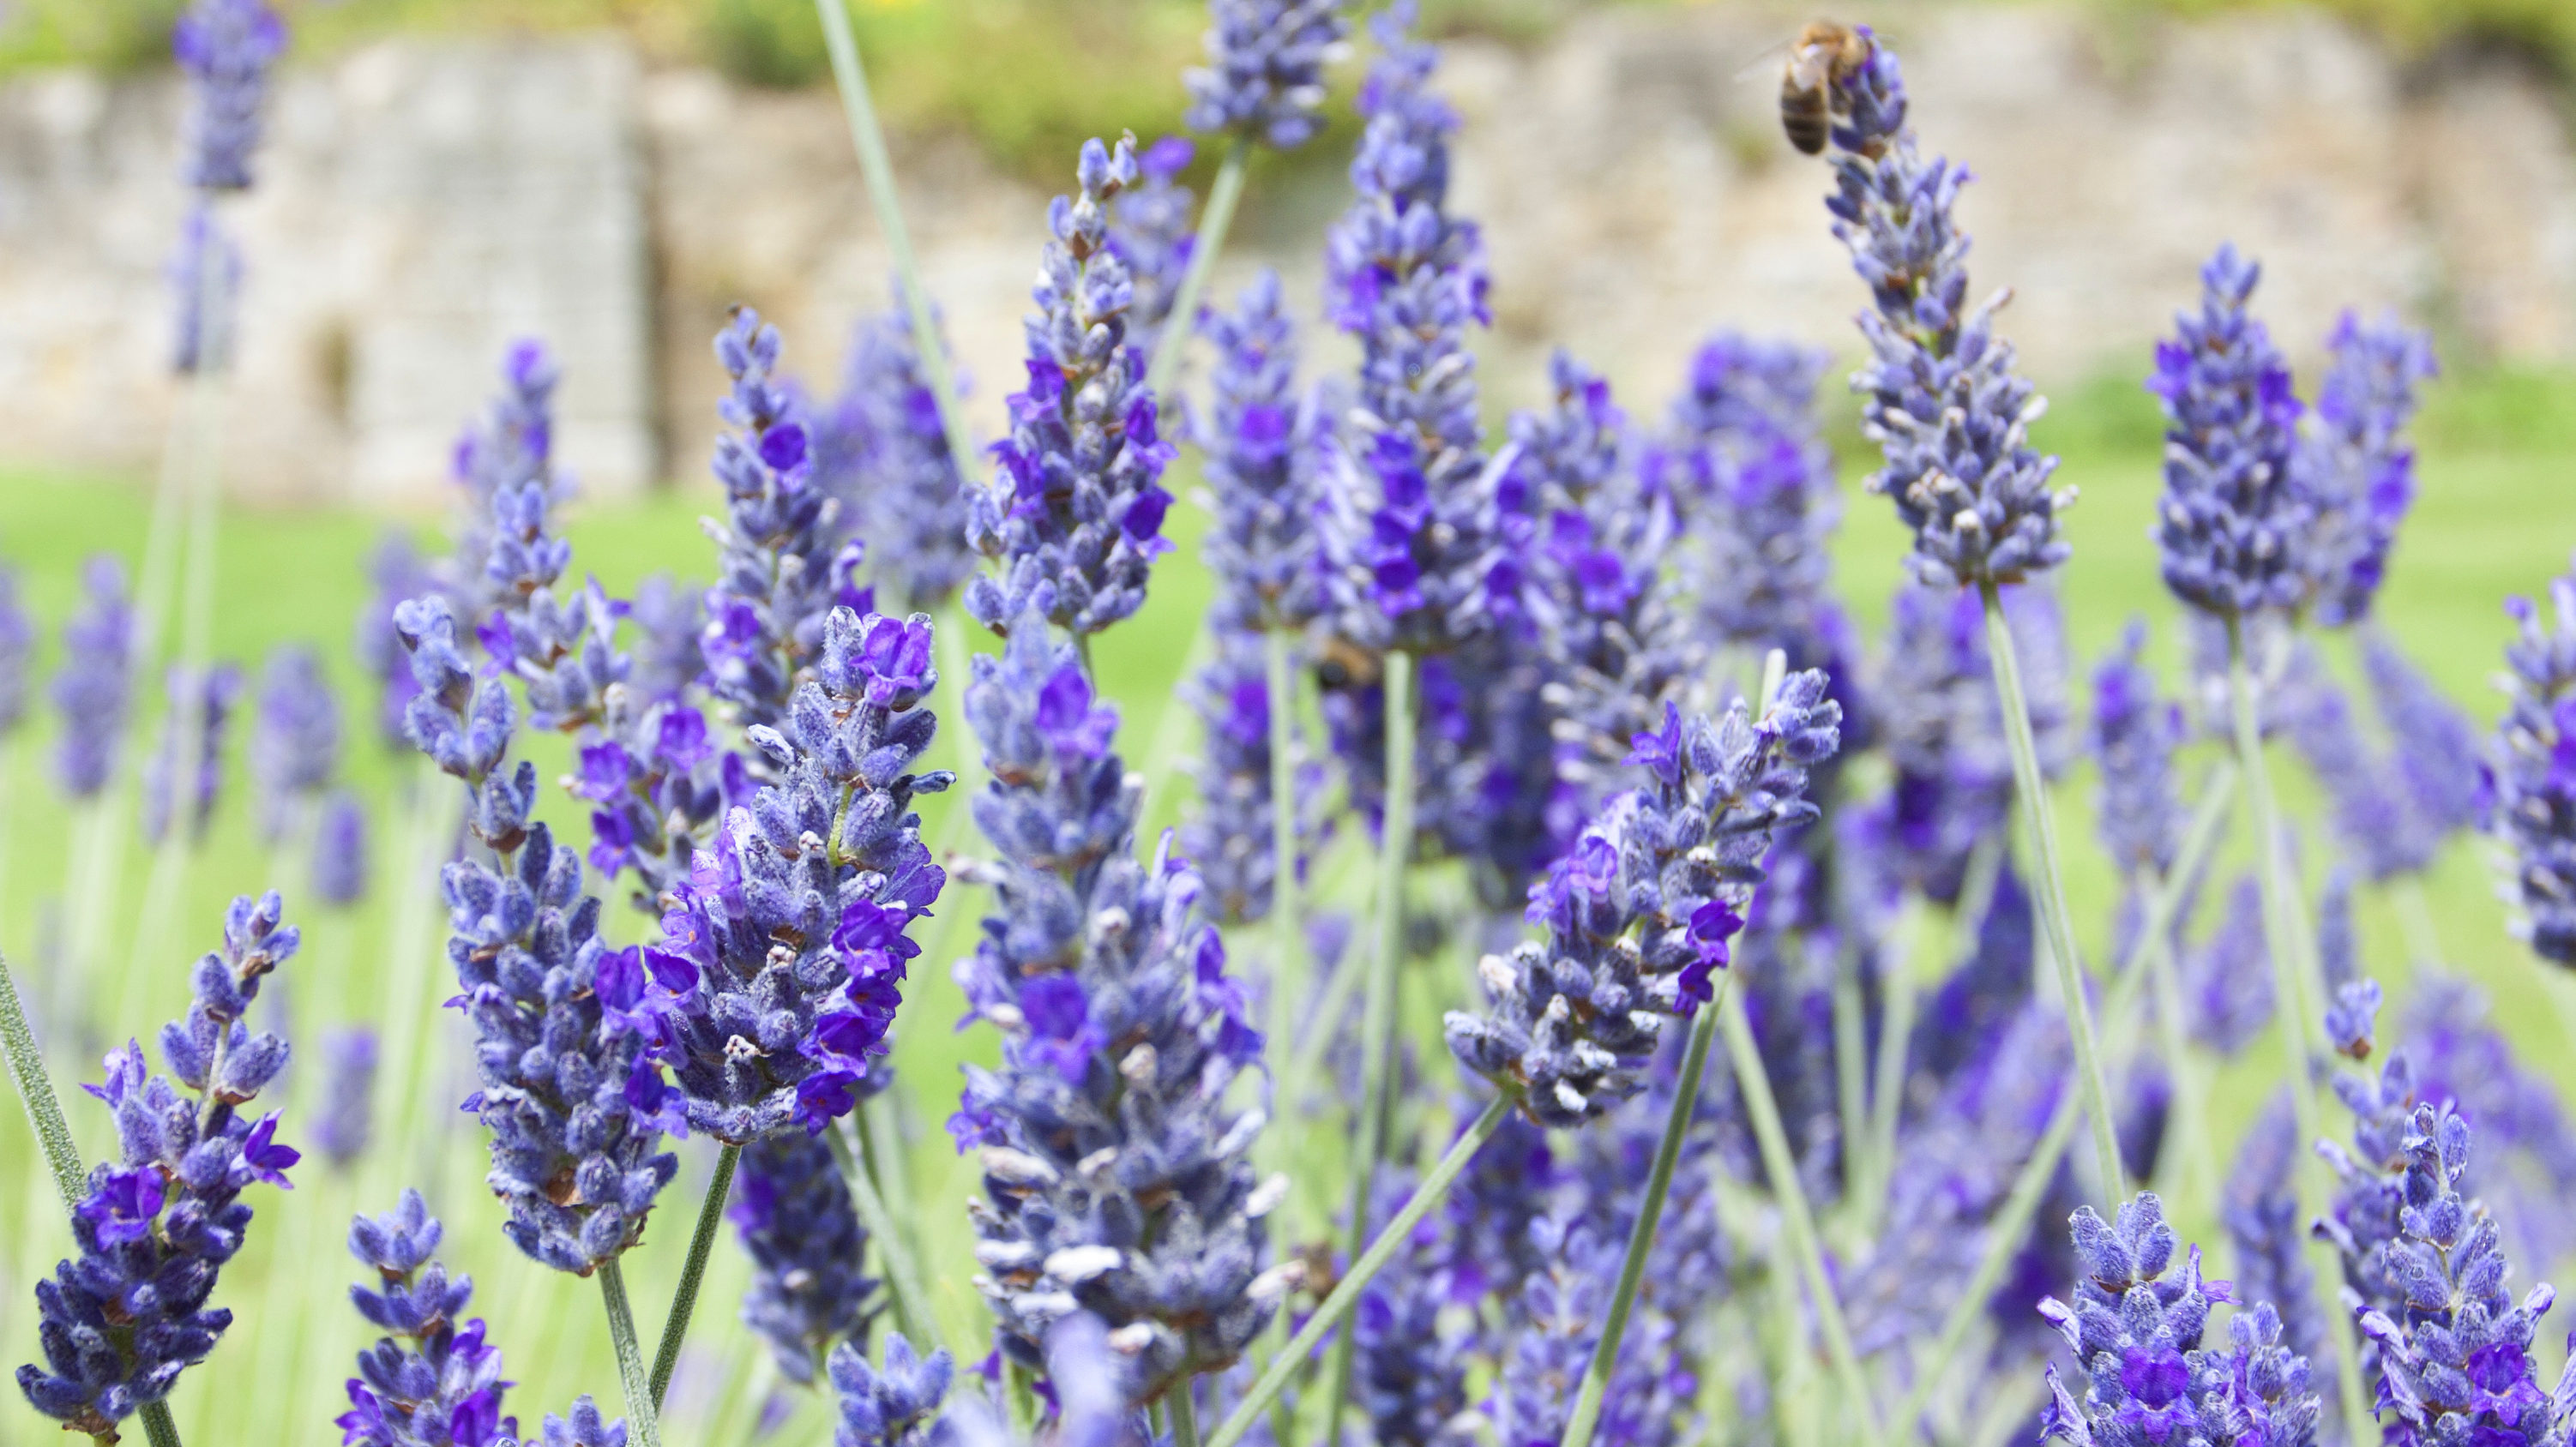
(2011, 1224)
(36, 1093)
(1851, 1063)
(878, 168)
(2187, 1135)
(1641, 1237)
(642, 1418)
(1214, 222)
(2299, 1023)
(1378, 1027)
(1887, 1075)
(2032, 789)
(1286, 952)
(684, 1301)
(911, 1304)
(1346, 1294)
(1753, 1084)
(1184, 1415)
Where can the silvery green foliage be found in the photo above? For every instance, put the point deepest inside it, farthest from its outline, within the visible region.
(571, 1094)
(2234, 527)
(2531, 772)
(1636, 916)
(2352, 460)
(1941, 397)
(1074, 514)
(433, 1380)
(1264, 79)
(783, 949)
(1116, 1172)
(2136, 1338)
(121, 1321)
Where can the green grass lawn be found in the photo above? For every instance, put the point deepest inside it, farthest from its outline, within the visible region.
(2491, 522)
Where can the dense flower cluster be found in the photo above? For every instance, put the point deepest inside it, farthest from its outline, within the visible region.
(2531, 772)
(793, 1211)
(119, 1324)
(901, 485)
(2352, 464)
(95, 688)
(2233, 521)
(1408, 523)
(1264, 79)
(894, 1405)
(1258, 440)
(570, 1092)
(1074, 514)
(432, 1380)
(778, 572)
(200, 715)
(783, 950)
(1941, 398)
(1638, 913)
(1115, 1168)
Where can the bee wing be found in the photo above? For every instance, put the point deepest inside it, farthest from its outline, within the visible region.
(1765, 64)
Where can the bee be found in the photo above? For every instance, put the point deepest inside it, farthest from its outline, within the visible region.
(1826, 51)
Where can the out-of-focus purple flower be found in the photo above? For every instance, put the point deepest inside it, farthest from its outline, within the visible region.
(1264, 80)
(295, 737)
(432, 1380)
(1227, 834)
(2135, 733)
(807, 1294)
(1074, 513)
(344, 1125)
(2375, 817)
(2530, 776)
(590, 1106)
(1559, 1328)
(2235, 529)
(396, 573)
(1409, 1361)
(2136, 1338)
(1116, 1170)
(2434, 751)
(205, 282)
(95, 688)
(226, 47)
(1409, 516)
(340, 849)
(668, 617)
(2227, 981)
(2260, 1206)
(1941, 397)
(2351, 463)
(1259, 444)
(904, 491)
(1150, 230)
(200, 715)
(120, 1323)
(895, 1405)
(1637, 914)
(17, 646)
(586, 1427)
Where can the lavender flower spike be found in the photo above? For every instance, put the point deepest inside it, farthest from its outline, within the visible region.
(584, 1428)
(892, 1406)
(2135, 734)
(1227, 834)
(1263, 546)
(1265, 73)
(96, 685)
(295, 738)
(777, 574)
(349, 1070)
(571, 1094)
(226, 47)
(2531, 772)
(340, 850)
(1149, 229)
(1638, 913)
(2136, 1338)
(2435, 752)
(210, 696)
(1942, 399)
(2233, 527)
(793, 1210)
(913, 503)
(17, 642)
(397, 574)
(1074, 514)
(1115, 1165)
(432, 1380)
(2352, 463)
(121, 1323)
(1409, 523)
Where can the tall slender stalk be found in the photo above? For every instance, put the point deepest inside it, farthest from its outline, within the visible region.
(1887, 1071)
(1641, 1236)
(1851, 1064)
(1286, 945)
(2032, 789)
(903, 1277)
(1346, 1294)
(1183, 1414)
(684, 1301)
(1378, 1027)
(2300, 1023)
(851, 78)
(2190, 1116)
(643, 1417)
(1753, 1084)
(1214, 223)
(2011, 1224)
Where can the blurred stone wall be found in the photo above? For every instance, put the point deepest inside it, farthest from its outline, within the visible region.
(423, 201)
